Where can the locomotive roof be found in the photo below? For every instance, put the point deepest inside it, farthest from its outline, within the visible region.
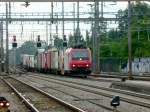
(71, 49)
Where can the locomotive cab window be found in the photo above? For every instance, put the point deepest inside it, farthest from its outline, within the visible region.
(80, 55)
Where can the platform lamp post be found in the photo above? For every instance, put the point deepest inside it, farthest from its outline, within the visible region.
(14, 45)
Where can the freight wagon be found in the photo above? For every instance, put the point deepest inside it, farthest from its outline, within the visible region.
(72, 61)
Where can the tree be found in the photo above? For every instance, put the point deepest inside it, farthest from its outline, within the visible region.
(78, 37)
(88, 39)
(139, 26)
(29, 47)
(71, 40)
(58, 43)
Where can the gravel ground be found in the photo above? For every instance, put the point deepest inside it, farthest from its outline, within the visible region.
(40, 101)
(98, 90)
(99, 82)
(124, 107)
(105, 79)
(77, 97)
(16, 104)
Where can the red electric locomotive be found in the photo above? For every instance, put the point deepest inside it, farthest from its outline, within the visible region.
(76, 61)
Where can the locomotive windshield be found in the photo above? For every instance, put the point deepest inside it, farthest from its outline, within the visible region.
(80, 55)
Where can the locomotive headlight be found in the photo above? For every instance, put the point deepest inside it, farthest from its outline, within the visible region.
(87, 65)
(7, 104)
(1, 104)
(73, 65)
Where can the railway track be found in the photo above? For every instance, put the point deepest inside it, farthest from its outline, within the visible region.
(38, 100)
(145, 96)
(126, 96)
(135, 77)
(16, 103)
(76, 98)
(88, 77)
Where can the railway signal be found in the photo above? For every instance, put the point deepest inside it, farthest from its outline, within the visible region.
(14, 43)
(38, 41)
(26, 4)
(64, 41)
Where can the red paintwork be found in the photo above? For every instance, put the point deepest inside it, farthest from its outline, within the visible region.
(80, 63)
(48, 59)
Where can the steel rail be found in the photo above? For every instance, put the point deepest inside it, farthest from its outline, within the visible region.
(104, 88)
(112, 75)
(78, 98)
(141, 103)
(27, 103)
(70, 106)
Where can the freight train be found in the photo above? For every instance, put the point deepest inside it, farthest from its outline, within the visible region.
(72, 61)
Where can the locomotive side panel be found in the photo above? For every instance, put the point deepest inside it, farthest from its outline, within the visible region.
(39, 61)
(32, 61)
(54, 60)
(48, 58)
(66, 62)
(42, 61)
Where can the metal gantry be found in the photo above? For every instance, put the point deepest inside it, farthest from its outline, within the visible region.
(68, 0)
(95, 32)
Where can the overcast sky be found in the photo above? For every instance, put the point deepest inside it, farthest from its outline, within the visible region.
(29, 31)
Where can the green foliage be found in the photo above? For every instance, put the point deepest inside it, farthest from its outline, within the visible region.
(28, 47)
(58, 43)
(88, 40)
(73, 39)
(117, 44)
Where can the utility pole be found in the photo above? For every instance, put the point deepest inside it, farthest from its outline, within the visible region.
(93, 38)
(9, 11)
(129, 41)
(1, 50)
(47, 33)
(99, 35)
(52, 6)
(50, 28)
(96, 36)
(57, 26)
(74, 25)
(51, 24)
(62, 19)
(7, 41)
(78, 29)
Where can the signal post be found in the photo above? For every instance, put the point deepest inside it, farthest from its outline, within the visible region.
(14, 45)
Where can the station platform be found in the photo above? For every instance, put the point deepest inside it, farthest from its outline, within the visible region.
(133, 85)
